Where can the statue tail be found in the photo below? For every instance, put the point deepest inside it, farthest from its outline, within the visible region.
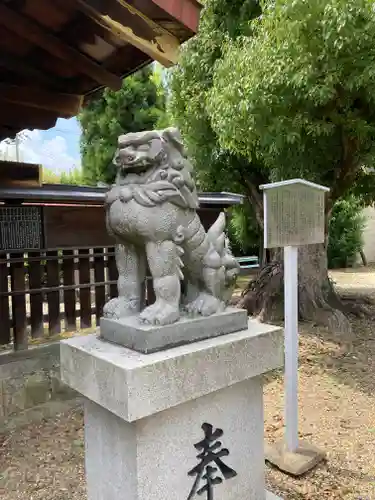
(219, 254)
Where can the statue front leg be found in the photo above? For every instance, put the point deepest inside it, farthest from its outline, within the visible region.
(165, 267)
(131, 269)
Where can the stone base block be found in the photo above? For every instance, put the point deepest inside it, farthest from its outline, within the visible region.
(30, 385)
(147, 415)
(131, 333)
(157, 452)
(133, 385)
(305, 458)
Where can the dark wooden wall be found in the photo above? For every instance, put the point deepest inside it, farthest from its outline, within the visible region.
(64, 285)
(75, 226)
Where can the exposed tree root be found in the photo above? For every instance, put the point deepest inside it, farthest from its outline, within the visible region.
(318, 300)
(358, 298)
(263, 295)
(350, 304)
(357, 309)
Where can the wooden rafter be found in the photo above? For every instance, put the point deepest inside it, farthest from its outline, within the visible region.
(26, 70)
(31, 31)
(66, 105)
(17, 116)
(128, 54)
(7, 132)
(130, 25)
(184, 12)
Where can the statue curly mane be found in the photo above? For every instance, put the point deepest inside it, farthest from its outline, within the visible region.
(156, 167)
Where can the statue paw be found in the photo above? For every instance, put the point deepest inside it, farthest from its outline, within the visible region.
(160, 313)
(119, 308)
(205, 305)
(112, 195)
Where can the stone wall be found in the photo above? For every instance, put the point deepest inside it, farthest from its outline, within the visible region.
(30, 386)
(369, 234)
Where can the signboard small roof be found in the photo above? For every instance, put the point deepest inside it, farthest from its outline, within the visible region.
(291, 182)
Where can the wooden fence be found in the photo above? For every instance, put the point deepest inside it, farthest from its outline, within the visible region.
(44, 293)
(64, 286)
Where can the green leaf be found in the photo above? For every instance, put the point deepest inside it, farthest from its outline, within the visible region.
(139, 105)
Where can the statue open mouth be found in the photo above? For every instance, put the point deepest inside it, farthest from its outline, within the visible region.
(132, 163)
(136, 166)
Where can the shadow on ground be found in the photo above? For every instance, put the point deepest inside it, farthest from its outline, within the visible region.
(349, 358)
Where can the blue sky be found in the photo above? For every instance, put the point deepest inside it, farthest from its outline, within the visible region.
(70, 131)
(56, 149)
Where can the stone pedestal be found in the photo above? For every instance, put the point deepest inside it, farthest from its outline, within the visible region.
(129, 332)
(144, 413)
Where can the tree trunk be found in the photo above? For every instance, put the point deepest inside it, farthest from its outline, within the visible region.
(318, 301)
(363, 257)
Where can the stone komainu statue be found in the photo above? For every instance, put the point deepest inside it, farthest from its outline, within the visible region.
(151, 211)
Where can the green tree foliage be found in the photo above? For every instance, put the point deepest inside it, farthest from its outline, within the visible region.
(49, 176)
(285, 94)
(74, 176)
(138, 105)
(243, 231)
(191, 83)
(279, 89)
(345, 233)
(300, 93)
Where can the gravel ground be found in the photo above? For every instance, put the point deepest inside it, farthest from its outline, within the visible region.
(337, 413)
(45, 461)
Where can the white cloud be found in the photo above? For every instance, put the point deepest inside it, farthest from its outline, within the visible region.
(51, 153)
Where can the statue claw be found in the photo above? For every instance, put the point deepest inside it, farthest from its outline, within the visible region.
(119, 308)
(160, 313)
(205, 305)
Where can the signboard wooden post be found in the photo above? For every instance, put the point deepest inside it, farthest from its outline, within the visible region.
(293, 216)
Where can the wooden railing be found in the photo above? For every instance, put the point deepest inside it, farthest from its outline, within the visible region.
(248, 262)
(64, 287)
(45, 293)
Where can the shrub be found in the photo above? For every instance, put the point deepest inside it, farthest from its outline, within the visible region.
(243, 231)
(345, 233)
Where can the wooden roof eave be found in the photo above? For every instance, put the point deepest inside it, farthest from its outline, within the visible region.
(34, 91)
